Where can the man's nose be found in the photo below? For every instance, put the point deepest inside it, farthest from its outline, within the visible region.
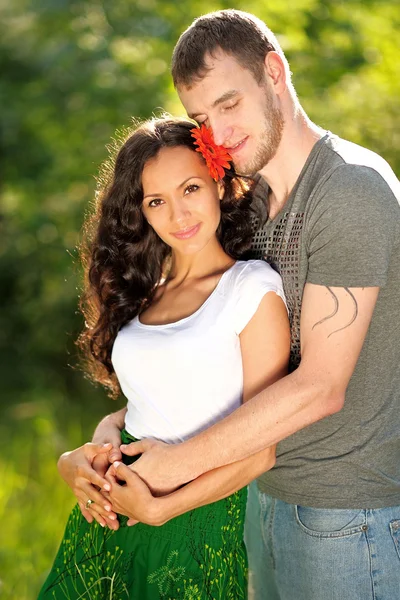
(222, 132)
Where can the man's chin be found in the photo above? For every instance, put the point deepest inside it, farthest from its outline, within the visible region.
(251, 166)
(245, 170)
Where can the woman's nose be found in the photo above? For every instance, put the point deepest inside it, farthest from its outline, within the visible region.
(180, 212)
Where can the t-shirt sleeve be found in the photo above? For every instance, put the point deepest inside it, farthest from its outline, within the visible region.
(351, 229)
(255, 280)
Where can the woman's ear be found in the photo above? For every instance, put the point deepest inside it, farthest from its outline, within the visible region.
(221, 190)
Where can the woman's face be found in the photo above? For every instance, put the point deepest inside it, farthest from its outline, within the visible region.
(180, 199)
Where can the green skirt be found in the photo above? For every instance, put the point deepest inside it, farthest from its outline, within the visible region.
(197, 556)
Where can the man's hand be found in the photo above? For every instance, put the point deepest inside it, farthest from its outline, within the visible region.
(133, 499)
(157, 466)
(86, 479)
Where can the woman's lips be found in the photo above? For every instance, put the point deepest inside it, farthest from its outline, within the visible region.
(188, 232)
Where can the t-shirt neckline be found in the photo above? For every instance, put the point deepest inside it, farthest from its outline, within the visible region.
(198, 310)
(288, 204)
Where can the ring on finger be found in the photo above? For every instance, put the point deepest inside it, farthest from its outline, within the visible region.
(88, 503)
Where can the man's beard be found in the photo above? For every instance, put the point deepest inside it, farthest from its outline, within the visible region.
(270, 139)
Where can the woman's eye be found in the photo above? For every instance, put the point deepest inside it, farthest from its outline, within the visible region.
(155, 202)
(191, 188)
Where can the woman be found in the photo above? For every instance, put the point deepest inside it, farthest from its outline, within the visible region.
(188, 332)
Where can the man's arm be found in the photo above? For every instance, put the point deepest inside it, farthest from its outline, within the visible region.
(134, 499)
(334, 324)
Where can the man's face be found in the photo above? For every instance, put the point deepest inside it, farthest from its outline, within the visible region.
(243, 115)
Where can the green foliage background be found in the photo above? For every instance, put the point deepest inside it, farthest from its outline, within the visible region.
(71, 73)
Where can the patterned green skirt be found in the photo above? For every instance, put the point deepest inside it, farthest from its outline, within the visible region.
(197, 556)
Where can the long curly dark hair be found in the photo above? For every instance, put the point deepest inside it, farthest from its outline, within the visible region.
(123, 257)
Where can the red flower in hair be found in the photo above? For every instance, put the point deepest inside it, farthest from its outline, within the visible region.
(216, 157)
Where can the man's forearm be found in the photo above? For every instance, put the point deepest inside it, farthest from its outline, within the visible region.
(215, 485)
(279, 411)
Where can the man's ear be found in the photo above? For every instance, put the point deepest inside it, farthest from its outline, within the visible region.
(275, 70)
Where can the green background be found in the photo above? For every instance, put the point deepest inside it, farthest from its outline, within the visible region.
(71, 73)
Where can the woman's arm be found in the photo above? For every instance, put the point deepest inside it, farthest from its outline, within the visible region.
(109, 430)
(83, 469)
(265, 345)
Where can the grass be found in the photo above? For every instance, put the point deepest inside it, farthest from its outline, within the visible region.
(34, 501)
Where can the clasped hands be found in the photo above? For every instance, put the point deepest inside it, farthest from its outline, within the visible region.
(94, 472)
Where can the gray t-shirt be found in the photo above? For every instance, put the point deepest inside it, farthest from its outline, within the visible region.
(340, 227)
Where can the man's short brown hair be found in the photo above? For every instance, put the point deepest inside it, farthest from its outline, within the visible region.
(237, 33)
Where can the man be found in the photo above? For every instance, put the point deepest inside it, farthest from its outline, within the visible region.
(329, 511)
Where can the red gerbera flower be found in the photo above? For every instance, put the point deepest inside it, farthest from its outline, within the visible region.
(216, 157)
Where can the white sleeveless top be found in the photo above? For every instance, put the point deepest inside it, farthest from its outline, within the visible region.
(182, 377)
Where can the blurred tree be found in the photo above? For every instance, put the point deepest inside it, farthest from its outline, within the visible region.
(72, 72)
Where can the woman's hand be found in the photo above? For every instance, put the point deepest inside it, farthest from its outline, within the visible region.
(109, 431)
(83, 470)
(134, 499)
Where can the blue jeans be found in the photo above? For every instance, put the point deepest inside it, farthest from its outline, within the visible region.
(301, 553)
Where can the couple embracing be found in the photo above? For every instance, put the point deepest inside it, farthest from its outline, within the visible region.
(242, 292)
